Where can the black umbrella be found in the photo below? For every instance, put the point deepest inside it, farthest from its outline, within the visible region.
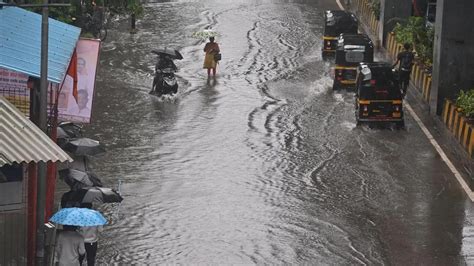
(84, 146)
(77, 179)
(62, 137)
(73, 198)
(174, 54)
(85, 197)
(101, 195)
(70, 129)
(61, 133)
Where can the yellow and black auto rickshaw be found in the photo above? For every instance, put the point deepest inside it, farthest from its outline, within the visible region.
(351, 50)
(335, 23)
(378, 95)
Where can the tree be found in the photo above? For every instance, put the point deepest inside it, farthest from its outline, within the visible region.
(80, 9)
(415, 32)
(133, 8)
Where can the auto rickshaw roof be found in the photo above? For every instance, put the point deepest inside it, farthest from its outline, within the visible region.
(349, 41)
(340, 16)
(356, 39)
(375, 70)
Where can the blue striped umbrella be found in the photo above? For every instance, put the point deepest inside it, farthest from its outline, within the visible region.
(78, 217)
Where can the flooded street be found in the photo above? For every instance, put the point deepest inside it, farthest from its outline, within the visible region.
(263, 164)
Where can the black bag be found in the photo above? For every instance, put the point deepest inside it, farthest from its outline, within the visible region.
(217, 57)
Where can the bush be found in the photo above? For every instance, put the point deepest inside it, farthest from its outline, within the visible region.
(375, 7)
(73, 13)
(465, 101)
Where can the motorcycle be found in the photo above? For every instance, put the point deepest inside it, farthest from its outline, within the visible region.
(164, 82)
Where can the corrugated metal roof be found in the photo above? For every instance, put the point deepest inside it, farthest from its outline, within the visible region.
(23, 141)
(20, 43)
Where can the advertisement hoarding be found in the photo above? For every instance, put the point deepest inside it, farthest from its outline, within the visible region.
(87, 59)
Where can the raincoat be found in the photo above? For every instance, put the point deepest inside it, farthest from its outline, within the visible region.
(211, 49)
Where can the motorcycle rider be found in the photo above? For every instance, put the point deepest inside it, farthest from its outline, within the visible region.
(164, 61)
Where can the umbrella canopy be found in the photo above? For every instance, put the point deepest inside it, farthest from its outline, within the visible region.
(61, 133)
(174, 54)
(101, 195)
(73, 198)
(84, 196)
(69, 130)
(205, 34)
(62, 137)
(84, 146)
(77, 179)
(78, 217)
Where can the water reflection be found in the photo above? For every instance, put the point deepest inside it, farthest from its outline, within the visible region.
(211, 82)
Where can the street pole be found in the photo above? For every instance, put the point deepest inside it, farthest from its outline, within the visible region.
(43, 125)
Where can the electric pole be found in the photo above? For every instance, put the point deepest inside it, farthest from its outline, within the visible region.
(43, 125)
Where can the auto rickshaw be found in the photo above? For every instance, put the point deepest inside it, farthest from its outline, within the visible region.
(351, 50)
(335, 23)
(378, 94)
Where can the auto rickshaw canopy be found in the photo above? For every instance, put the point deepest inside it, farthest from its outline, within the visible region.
(353, 49)
(377, 81)
(339, 21)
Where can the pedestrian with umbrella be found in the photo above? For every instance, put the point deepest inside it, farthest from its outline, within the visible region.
(212, 56)
(77, 179)
(212, 50)
(70, 248)
(91, 239)
(84, 146)
(67, 131)
(91, 195)
(80, 149)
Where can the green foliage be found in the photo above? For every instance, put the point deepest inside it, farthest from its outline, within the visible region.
(122, 7)
(415, 32)
(72, 14)
(375, 7)
(424, 47)
(64, 14)
(465, 101)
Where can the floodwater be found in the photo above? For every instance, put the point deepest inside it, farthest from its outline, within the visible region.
(264, 163)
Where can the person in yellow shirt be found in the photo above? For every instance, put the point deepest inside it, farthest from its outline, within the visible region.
(211, 49)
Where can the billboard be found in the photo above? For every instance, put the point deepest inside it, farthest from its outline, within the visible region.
(13, 88)
(79, 111)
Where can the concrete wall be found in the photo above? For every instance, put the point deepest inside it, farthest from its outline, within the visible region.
(13, 249)
(453, 62)
(393, 11)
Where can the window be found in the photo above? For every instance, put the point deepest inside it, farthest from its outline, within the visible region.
(11, 173)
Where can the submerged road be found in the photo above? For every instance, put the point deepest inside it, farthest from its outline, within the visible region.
(263, 164)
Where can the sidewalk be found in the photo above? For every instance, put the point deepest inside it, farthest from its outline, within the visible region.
(449, 144)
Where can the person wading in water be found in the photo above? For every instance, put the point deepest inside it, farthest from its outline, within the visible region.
(211, 49)
(405, 58)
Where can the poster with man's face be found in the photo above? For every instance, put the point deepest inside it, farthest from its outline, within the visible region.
(68, 108)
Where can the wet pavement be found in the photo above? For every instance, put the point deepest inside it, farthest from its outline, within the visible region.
(263, 164)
